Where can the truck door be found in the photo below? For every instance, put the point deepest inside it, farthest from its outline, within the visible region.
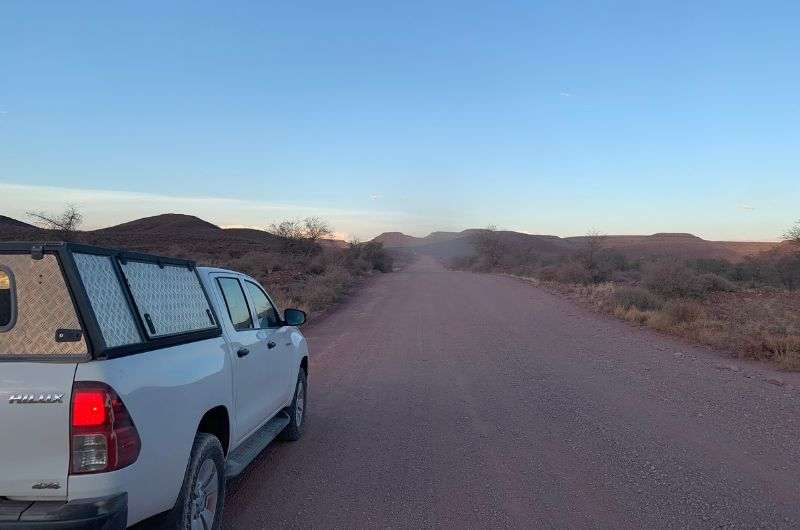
(276, 346)
(252, 395)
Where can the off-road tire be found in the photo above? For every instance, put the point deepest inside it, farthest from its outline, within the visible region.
(206, 447)
(297, 416)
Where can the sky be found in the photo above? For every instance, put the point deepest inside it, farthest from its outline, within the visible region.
(543, 117)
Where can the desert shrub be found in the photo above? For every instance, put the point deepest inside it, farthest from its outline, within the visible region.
(322, 290)
(607, 264)
(573, 272)
(548, 273)
(713, 265)
(317, 264)
(365, 257)
(682, 311)
(669, 279)
(712, 283)
(672, 279)
(632, 314)
(636, 297)
(785, 350)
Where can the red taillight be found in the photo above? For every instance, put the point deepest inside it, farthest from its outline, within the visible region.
(102, 434)
(89, 408)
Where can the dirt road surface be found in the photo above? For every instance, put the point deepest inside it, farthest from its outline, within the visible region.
(461, 400)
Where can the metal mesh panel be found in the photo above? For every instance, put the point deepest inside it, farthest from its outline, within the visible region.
(43, 306)
(108, 301)
(171, 297)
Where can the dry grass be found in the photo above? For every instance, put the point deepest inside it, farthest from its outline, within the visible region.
(754, 325)
(750, 309)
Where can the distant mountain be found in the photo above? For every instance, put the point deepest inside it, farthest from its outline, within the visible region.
(164, 223)
(679, 245)
(10, 222)
(397, 240)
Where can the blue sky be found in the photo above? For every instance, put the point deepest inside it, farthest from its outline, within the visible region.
(545, 117)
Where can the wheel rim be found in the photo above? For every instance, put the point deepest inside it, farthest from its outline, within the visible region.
(300, 403)
(204, 496)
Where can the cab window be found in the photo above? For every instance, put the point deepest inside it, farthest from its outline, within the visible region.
(265, 312)
(236, 303)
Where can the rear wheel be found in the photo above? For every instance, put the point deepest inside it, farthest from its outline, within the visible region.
(297, 410)
(202, 498)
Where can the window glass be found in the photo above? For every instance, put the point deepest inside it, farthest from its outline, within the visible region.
(169, 298)
(107, 299)
(265, 311)
(6, 301)
(236, 303)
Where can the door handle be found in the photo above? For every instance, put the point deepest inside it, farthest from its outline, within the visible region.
(271, 344)
(241, 352)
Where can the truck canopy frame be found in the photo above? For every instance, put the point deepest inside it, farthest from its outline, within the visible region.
(95, 341)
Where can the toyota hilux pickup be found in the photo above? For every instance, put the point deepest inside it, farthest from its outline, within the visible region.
(134, 386)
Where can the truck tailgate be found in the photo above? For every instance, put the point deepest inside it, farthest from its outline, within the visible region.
(34, 429)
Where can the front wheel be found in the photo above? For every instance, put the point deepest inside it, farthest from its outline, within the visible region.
(297, 410)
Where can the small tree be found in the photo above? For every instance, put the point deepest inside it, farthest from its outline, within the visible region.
(67, 222)
(594, 244)
(793, 234)
(310, 229)
(488, 247)
(316, 228)
(290, 229)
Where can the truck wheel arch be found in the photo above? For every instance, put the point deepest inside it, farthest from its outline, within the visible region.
(217, 423)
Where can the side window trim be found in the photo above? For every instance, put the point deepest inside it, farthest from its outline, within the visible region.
(12, 287)
(217, 279)
(269, 300)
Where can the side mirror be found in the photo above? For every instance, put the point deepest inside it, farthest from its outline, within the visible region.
(294, 317)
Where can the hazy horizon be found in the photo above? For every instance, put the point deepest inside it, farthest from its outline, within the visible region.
(553, 119)
(100, 204)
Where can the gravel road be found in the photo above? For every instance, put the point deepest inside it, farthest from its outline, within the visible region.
(456, 400)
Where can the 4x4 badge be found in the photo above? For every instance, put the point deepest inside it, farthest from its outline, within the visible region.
(46, 486)
(36, 398)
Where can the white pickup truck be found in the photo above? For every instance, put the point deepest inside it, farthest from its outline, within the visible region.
(134, 385)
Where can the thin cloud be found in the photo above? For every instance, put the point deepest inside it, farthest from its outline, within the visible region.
(565, 94)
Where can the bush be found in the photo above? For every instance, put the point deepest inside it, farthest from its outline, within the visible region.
(636, 297)
(365, 257)
(573, 272)
(672, 279)
(683, 311)
(785, 351)
(669, 279)
(713, 283)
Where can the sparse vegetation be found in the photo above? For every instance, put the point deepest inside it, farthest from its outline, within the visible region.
(292, 261)
(65, 223)
(489, 248)
(793, 234)
(750, 307)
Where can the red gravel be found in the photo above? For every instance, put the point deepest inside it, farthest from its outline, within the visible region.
(460, 400)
